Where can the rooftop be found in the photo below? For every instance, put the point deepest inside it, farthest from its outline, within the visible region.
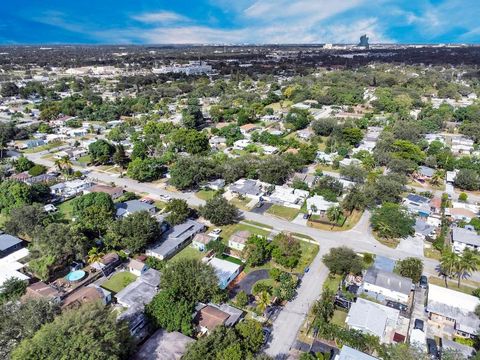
(132, 206)
(371, 317)
(240, 237)
(348, 353)
(388, 280)
(465, 236)
(8, 241)
(210, 317)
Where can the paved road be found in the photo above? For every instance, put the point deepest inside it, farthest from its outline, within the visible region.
(288, 322)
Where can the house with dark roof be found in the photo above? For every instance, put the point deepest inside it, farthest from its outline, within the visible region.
(114, 191)
(174, 239)
(209, 316)
(384, 285)
(9, 244)
(132, 206)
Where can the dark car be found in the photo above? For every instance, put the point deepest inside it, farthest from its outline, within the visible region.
(423, 282)
(432, 348)
(418, 324)
(306, 216)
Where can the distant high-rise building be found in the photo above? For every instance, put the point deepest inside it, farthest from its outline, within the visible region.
(364, 41)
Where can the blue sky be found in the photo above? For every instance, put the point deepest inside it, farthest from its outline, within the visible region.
(238, 21)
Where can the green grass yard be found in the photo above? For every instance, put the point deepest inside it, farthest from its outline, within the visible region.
(283, 212)
(205, 194)
(119, 281)
(241, 203)
(339, 318)
(188, 253)
(332, 282)
(66, 209)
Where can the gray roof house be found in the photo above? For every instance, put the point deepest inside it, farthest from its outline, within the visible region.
(164, 345)
(129, 207)
(246, 187)
(134, 297)
(422, 228)
(9, 244)
(426, 171)
(386, 285)
(174, 239)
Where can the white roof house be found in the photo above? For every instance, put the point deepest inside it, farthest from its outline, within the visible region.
(226, 271)
(10, 266)
(319, 204)
(454, 305)
(373, 318)
(289, 197)
(348, 353)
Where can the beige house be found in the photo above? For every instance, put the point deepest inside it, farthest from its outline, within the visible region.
(238, 240)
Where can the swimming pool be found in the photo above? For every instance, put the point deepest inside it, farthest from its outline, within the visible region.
(75, 275)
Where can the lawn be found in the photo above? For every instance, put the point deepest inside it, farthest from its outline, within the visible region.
(432, 253)
(228, 230)
(230, 259)
(349, 223)
(309, 251)
(205, 194)
(283, 212)
(188, 253)
(332, 282)
(452, 284)
(241, 203)
(339, 318)
(255, 223)
(66, 209)
(160, 204)
(119, 281)
(49, 146)
(84, 159)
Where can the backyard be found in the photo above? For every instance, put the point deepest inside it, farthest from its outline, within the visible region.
(66, 209)
(119, 281)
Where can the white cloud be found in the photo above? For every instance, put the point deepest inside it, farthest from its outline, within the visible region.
(162, 17)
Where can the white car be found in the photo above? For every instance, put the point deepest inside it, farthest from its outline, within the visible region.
(215, 233)
(165, 197)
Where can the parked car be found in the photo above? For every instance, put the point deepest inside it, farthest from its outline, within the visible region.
(418, 324)
(423, 282)
(432, 348)
(306, 216)
(165, 197)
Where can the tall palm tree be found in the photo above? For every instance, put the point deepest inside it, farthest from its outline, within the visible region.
(449, 265)
(467, 264)
(263, 301)
(66, 163)
(333, 214)
(436, 178)
(94, 254)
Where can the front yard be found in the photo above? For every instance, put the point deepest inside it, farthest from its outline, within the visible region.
(283, 212)
(119, 281)
(205, 194)
(241, 203)
(348, 223)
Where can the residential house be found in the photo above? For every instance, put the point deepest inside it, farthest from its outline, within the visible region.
(452, 312)
(9, 244)
(325, 158)
(269, 150)
(11, 267)
(424, 173)
(289, 197)
(216, 185)
(417, 205)
(305, 134)
(44, 291)
(226, 271)
(464, 239)
(69, 189)
(348, 353)
(200, 241)
(462, 145)
(209, 316)
(252, 189)
(460, 214)
(41, 179)
(107, 263)
(317, 205)
(466, 351)
(241, 144)
(423, 229)
(137, 267)
(217, 142)
(126, 208)
(175, 239)
(349, 161)
(134, 297)
(238, 240)
(163, 345)
(247, 129)
(86, 294)
(373, 319)
(384, 285)
(308, 179)
(114, 191)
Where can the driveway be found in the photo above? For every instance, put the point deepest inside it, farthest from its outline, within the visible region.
(412, 245)
(248, 281)
(261, 209)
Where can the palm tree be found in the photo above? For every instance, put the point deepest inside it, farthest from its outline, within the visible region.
(66, 163)
(449, 265)
(263, 301)
(436, 178)
(468, 263)
(383, 229)
(333, 214)
(94, 255)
